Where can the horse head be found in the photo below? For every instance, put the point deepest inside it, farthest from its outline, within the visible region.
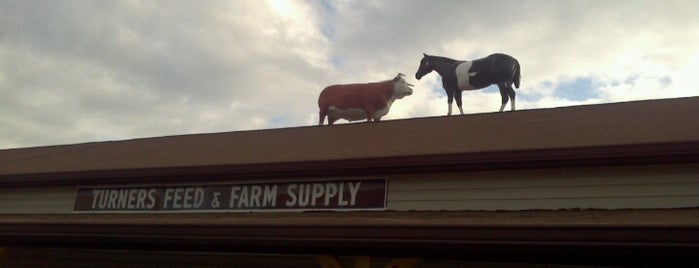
(425, 67)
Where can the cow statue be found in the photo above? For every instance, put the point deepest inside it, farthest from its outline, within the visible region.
(369, 101)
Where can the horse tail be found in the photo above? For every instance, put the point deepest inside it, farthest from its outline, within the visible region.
(517, 74)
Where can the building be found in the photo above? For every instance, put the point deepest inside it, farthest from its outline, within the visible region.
(612, 184)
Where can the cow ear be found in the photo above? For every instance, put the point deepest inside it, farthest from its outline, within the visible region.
(423, 53)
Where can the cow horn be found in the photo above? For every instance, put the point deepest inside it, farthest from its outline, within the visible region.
(401, 75)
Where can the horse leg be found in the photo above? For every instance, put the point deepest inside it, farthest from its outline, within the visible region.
(503, 95)
(457, 96)
(511, 93)
(450, 99)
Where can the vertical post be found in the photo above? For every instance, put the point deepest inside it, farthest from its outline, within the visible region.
(3, 256)
(403, 263)
(327, 261)
(362, 262)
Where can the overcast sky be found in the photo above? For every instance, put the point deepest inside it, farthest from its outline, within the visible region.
(84, 71)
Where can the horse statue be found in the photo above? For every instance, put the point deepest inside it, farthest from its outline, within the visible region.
(499, 69)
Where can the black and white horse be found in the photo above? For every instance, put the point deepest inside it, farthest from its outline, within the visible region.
(499, 69)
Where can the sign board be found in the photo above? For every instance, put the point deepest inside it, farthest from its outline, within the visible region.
(351, 194)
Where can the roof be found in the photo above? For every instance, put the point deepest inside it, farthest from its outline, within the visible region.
(631, 133)
(651, 131)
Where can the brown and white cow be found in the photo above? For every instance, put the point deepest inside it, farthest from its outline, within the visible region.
(369, 101)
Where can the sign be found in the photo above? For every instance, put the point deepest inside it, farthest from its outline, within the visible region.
(356, 194)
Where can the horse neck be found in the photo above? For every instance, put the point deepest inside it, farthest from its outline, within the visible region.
(442, 64)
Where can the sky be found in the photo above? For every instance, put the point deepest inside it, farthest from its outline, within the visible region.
(86, 71)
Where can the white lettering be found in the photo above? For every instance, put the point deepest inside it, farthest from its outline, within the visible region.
(123, 198)
(341, 201)
(255, 194)
(270, 196)
(322, 194)
(141, 202)
(113, 195)
(131, 203)
(244, 197)
(95, 195)
(188, 197)
(104, 197)
(198, 197)
(317, 193)
(292, 195)
(178, 198)
(353, 192)
(151, 198)
(234, 195)
(304, 194)
(330, 192)
(183, 197)
(168, 196)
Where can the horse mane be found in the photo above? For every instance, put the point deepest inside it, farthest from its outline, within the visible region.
(450, 60)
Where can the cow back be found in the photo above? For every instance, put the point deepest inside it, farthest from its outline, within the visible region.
(356, 95)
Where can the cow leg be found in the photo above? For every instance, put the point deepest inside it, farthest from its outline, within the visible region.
(321, 117)
(369, 114)
(503, 95)
(331, 120)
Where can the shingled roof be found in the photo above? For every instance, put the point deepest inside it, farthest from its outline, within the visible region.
(651, 131)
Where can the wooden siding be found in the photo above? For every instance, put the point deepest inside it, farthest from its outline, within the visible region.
(37, 200)
(663, 186)
(626, 187)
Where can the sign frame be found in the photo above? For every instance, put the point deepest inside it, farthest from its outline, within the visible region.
(140, 196)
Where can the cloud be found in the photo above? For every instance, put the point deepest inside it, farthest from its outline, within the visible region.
(75, 71)
(115, 70)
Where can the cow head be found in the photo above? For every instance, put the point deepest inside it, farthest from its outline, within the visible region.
(401, 88)
(425, 67)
